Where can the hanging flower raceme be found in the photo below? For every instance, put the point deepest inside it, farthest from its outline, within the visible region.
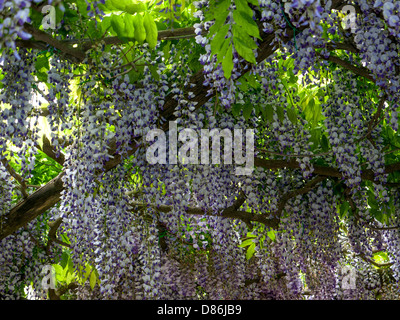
(14, 14)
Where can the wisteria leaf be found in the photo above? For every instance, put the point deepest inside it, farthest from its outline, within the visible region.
(227, 63)
(92, 280)
(151, 30)
(250, 251)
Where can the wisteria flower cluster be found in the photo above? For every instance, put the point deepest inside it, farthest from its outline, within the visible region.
(310, 222)
(12, 18)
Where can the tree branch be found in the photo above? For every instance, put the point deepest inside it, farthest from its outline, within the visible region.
(48, 149)
(17, 177)
(305, 189)
(367, 174)
(375, 119)
(361, 71)
(54, 225)
(230, 212)
(384, 228)
(75, 55)
(55, 294)
(376, 264)
(331, 46)
(33, 206)
(48, 195)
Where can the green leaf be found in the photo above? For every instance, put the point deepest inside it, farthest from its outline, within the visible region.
(250, 235)
(280, 113)
(381, 257)
(227, 63)
(315, 137)
(154, 73)
(236, 109)
(219, 39)
(324, 143)
(140, 31)
(292, 115)
(317, 113)
(121, 5)
(219, 21)
(239, 33)
(166, 50)
(321, 93)
(250, 251)
(371, 199)
(42, 62)
(129, 27)
(70, 277)
(252, 80)
(247, 23)
(92, 280)
(222, 6)
(243, 6)
(64, 259)
(268, 113)
(247, 109)
(82, 7)
(344, 208)
(219, 15)
(42, 76)
(244, 51)
(246, 243)
(271, 235)
(36, 18)
(59, 15)
(65, 238)
(60, 272)
(223, 50)
(105, 24)
(88, 270)
(132, 6)
(118, 24)
(70, 265)
(93, 30)
(151, 30)
(377, 214)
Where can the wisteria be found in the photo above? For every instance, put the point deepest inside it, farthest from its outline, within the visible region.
(13, 16)
(84, 107)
